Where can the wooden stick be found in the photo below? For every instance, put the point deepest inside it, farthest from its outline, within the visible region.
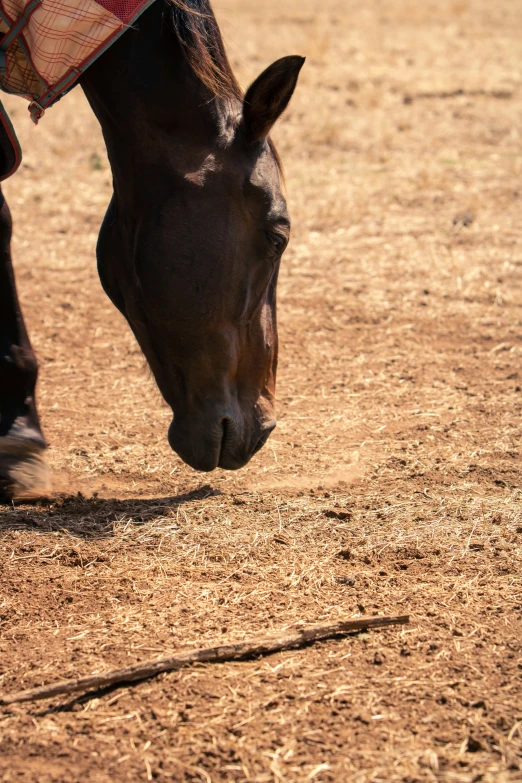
(225, 652)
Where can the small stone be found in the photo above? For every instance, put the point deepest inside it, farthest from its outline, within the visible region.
(346, 580)
(464, 219)
(333, 513)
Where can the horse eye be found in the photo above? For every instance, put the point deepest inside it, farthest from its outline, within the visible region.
(278, 240)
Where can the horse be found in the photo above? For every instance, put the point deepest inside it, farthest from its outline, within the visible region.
(190, 246)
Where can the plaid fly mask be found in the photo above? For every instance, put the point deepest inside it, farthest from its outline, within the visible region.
(45, 46)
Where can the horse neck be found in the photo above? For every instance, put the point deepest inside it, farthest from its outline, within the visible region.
(157, 119)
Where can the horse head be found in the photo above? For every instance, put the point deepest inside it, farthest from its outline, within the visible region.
(192, 242)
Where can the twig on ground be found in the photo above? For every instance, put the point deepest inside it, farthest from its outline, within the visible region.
(220, 653)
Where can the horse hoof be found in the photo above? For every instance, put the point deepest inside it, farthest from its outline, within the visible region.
(24, 473)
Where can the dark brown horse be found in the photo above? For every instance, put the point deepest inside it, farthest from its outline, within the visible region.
(190, 247)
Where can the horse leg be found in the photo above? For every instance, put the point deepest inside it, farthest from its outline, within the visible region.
(24, 473)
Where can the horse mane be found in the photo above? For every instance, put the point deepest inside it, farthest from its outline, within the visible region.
(201, 41)
(198, 33)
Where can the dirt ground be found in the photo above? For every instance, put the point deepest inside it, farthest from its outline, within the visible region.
(392, 484)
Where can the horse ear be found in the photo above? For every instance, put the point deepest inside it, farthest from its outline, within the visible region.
(267, 98)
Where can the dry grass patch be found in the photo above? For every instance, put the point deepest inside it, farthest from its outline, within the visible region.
(392, 484)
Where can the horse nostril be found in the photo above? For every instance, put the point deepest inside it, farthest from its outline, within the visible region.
(262, 440)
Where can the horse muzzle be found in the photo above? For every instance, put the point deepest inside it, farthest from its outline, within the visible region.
(206, 442)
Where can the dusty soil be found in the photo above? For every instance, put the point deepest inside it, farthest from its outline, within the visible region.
(391, 485)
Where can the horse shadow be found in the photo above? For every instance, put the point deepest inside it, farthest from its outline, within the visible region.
(95, 517)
